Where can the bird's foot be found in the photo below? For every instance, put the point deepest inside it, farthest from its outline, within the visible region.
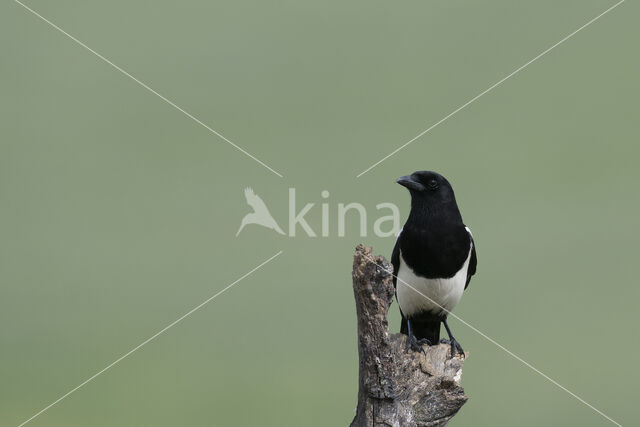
(456, 348)
(417, 344)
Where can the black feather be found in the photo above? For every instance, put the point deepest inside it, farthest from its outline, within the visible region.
(473, 262)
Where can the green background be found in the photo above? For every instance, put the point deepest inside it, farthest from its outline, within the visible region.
(118, 214)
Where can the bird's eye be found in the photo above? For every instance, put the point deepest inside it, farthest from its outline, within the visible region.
(432, 184)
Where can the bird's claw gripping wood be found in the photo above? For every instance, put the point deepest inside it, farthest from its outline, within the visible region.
(456, 348)
(417, 345)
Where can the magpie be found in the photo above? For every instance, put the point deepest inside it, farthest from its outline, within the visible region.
(435, 256)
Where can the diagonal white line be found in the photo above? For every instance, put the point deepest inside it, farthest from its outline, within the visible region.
(168, 101)
(501, 347)
(152, 337)
(490, 88)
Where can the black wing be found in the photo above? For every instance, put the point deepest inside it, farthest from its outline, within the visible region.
(473, 262)
(395, 260)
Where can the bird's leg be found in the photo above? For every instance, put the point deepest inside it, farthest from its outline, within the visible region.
(414, 343)
(455, 345)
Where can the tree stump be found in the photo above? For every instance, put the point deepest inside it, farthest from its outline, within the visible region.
(397, 387)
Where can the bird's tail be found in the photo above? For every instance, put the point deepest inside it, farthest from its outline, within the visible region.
(428, 328)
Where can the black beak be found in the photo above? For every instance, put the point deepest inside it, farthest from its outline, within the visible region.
(410, 183)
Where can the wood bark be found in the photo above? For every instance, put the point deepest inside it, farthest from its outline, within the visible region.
(397, 387)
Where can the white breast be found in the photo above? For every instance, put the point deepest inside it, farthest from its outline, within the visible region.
(439, 296)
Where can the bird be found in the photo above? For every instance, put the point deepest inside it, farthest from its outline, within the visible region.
(260, 214)
(433, 260)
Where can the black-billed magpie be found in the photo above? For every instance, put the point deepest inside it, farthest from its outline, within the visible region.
(435, 254)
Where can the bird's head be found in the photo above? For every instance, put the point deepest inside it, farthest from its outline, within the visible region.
(428, 187)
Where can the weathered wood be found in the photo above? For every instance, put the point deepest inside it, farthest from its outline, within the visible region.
(397, 387)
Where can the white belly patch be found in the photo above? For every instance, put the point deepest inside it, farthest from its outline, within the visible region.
(439, 296)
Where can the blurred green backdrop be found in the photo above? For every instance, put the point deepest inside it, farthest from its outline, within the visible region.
(118, 214)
